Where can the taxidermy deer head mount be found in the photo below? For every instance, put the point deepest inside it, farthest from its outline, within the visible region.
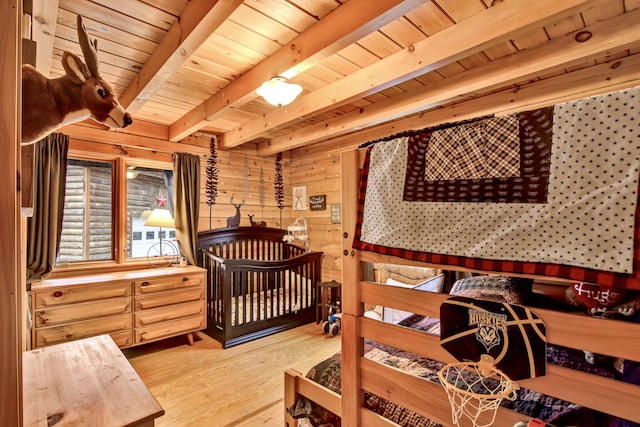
(48, 104)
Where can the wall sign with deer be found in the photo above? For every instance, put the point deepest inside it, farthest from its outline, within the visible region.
(234, 221)
(48, 104)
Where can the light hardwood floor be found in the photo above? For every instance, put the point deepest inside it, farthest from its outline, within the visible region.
(205, 385)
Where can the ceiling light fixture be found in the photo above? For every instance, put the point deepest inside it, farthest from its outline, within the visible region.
(278, 91)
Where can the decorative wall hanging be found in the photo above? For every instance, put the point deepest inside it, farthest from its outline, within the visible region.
(245, 178)
(261, 192)
(278, 184)
(234, 221)
(211, 184)
(318, 203)
(256, 224)
(300, 198)
(336, 213)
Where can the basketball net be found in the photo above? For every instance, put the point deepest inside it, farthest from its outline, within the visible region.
(475, 390)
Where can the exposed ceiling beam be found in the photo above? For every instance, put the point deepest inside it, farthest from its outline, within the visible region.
(598, 79)
(199, 19)
(97, 134)
(347, 24)
(616, 33)
(43, 32)
(496, 23)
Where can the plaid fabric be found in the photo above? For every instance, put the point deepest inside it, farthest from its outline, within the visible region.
(581, 274)
(529, 403)
(524, 182)
(327, 373)
(485, 149)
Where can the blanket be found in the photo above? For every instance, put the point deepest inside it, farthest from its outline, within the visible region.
(560, 198)
(530, 403)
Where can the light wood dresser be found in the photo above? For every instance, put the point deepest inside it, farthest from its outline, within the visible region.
(134, 307)
(87, 382)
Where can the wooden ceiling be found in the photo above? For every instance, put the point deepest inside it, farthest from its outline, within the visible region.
(365, 65)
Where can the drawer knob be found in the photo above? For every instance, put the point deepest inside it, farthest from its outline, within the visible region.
(184, 279)
(57, 294)
(68, 337)
(145, 283)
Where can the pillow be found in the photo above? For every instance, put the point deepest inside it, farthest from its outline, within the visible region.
(403, 273)
(393, 282)
(392, 315)
(497, 288)
(595, 296)
(375, 314)
(434, 284)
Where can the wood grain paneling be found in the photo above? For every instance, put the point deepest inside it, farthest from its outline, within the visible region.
(12, 289)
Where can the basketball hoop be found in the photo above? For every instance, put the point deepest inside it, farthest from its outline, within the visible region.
(476, 388)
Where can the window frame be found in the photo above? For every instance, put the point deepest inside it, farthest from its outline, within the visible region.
(120, 163)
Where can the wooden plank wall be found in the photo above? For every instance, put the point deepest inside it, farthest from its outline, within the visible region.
(244, 175)
(11, 278)
(318, 168)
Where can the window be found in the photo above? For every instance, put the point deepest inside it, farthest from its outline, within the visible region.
(87, 226)
(107, 202)
(147, 189)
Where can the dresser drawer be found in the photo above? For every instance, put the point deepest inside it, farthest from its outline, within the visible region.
(123, 339)
(162, 314)
(87, 328)
(72, 294)
(170, 328)
(83, 311)
(143, 287)
(169, 297)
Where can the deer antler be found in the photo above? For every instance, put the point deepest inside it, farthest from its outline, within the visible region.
(241, 203)
(89, 48)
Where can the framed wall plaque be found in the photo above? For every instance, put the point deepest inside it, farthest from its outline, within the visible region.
(300, 198)
(318, 203)
(336, 213)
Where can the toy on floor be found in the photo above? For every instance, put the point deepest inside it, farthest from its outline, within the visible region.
(332, 326)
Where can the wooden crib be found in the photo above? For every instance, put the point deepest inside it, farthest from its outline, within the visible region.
(257, 284)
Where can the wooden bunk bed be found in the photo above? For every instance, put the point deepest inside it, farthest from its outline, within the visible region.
(571, 330)
(257, 284)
